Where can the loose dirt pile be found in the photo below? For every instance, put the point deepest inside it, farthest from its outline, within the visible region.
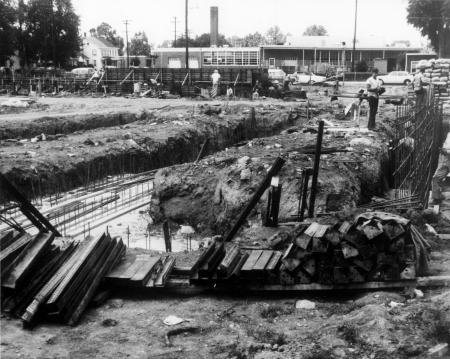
(209, 195)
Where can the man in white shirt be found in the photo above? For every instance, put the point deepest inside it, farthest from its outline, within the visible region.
(419, 90)
(229, 92)
(373, 89)
(215, 78)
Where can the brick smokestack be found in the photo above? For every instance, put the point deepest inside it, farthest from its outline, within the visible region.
(214, 33)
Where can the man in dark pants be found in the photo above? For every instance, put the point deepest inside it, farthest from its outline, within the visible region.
(373, 89)
(440, 175)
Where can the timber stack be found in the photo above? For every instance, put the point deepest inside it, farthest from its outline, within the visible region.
(43, 278)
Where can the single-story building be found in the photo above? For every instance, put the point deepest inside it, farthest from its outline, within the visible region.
(314, 53)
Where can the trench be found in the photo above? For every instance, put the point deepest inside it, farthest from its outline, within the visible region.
(151, 154)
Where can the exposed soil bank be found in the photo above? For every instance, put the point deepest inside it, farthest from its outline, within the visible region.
(53, 125)
(54, 166)
(210, 195)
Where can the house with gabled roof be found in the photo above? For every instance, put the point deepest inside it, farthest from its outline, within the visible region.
(97, 50)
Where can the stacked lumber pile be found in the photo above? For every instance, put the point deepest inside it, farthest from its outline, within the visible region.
(41, 278)
(221, 263)
(376, 247)
(437, 73)
(141, 271)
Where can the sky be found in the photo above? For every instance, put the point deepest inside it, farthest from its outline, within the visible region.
(384, 19)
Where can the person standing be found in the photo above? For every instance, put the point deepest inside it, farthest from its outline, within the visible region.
(215, 78)
(419, 90)
(229, 93)
(440, 175)
(373, 90)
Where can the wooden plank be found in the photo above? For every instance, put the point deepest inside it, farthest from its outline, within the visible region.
(113, 258)
(311, 230)
(303, 241)
(131, 270)
(237, 269)
(165, 271)
(229, 261)
(262, 261)
(27, 258)
(14, 249)
(34, 307)
(274, 261)
(118, 270)
(145, 271)
(181, 271)
(25, 297)
(158, 267)
(321, 231)
(68, 306)
(252, 259)
(86, 269)
(93, 243)
(8, 238)
(206, 254)
(345, 227)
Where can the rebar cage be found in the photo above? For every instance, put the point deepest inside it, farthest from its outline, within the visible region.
(415, 148)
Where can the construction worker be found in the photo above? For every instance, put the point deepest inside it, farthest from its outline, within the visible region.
(373, 90)
(229, 92)
(440, 175)
(419, 90)
(215, 78)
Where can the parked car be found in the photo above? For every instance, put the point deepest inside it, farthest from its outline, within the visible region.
(307, 78)
(276, 74)
(396, 78)
(83, 72)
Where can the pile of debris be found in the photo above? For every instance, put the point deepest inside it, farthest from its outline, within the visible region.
(44, 278)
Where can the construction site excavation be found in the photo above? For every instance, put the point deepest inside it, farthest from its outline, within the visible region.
(259, 197)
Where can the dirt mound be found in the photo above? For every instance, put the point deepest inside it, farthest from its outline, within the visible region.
(210, 194)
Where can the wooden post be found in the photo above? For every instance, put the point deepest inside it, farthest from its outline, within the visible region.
(273, 205)
(273, 171)
(312, 197)
(303, 193)
(167, 238)
(202, 150)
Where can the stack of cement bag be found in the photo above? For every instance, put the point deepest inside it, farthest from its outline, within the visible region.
(437, 73)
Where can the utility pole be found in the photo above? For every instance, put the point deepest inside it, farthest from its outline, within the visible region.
(187, 38)
(175, 31)
(53, 34)
(354, 36)
(126, 22)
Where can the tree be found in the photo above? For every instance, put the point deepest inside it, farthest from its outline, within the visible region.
(315, 30)
(8, 16)
(52, 28)
(256, 39)
(105, 30)
(432, 18)
(274, 36)
(203, 40)
(166, 43)
(139, 45)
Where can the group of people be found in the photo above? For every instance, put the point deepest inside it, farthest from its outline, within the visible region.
(374, 90)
